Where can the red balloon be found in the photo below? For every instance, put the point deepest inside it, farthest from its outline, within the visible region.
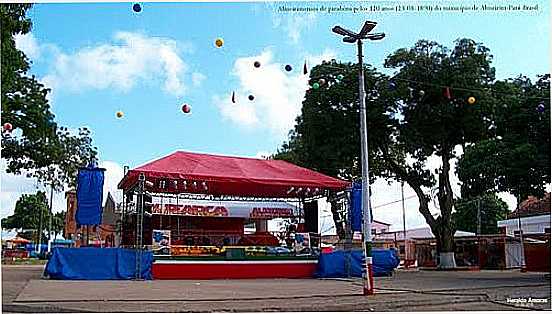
(186, 108)
(8, 127)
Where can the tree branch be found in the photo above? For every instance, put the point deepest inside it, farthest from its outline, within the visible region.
(403, 174)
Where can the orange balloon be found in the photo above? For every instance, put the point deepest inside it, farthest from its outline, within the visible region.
(471, 100)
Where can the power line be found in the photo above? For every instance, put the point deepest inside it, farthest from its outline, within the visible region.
(463, 88)
(393, 202)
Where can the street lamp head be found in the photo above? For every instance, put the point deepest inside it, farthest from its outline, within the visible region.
(367, 27)
(378, 36)
(343, 32)
(349, 39)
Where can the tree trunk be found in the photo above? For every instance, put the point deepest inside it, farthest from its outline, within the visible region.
(446, 249)
(446, 202)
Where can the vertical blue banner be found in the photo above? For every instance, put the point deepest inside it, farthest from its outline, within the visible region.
(356, 207)
(90, 183)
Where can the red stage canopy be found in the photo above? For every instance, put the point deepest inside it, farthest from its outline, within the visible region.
(185, 172)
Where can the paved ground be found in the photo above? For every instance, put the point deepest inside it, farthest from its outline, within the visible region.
(24, 291)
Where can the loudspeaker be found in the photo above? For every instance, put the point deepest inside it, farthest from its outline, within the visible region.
(311, 216)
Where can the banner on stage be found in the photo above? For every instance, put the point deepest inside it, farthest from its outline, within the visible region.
(161, 242)
(302, 242)
(241, 209)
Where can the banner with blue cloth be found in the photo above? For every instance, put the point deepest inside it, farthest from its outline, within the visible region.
(90, 183)
(335, 264)
(356, 207)
(90, 263)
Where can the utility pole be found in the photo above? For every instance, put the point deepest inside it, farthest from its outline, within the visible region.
(404, 223)
(139, 224)
(352, 37)
(479, 231)
(50, 216)
(522, 262)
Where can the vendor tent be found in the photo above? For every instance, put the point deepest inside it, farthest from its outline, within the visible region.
(187, 172)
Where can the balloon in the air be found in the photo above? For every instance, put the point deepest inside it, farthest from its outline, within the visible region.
(137, 8)
(186, 108)
(251, 97)
(540, 108)
(471, 100)
(7, 127)
(219, 42)
(315, 86)
(288, 68)
(257, 64)
(119, 114)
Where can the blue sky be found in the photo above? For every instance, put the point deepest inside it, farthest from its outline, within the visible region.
(99, 58)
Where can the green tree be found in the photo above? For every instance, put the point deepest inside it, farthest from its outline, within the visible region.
(36, 146)
(516, 158)
(58, 223)
(407, 124)
(24, 103)
(31, 210)
(491, 210)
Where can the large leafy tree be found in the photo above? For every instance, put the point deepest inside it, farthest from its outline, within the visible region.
(410, 119)
(24, 103)
(31, 210)
(490, 207)
(35, 146)
(326, 136)
(516, 158)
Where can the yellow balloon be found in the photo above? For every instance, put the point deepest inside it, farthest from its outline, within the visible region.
(219, 42)
(119, 114)
(471, 100)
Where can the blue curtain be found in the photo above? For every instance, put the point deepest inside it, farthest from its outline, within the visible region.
(89, 196)
(97, 264)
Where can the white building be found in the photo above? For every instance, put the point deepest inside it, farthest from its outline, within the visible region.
(529, 225)
(534, 217)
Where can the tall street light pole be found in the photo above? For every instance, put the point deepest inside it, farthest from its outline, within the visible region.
(352, 37)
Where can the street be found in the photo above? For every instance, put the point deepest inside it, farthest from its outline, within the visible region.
(24, 291)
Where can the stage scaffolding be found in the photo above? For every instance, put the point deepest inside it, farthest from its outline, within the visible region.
(134, 200)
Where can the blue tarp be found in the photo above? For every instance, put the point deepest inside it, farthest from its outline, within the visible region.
(97, 264)
(89, 196)
(334, 265)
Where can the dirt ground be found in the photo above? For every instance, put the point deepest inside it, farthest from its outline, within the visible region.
(23, 290)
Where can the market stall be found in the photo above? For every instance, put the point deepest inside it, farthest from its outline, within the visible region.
(196, 207)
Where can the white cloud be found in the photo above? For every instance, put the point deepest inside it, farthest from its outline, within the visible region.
(296, 25)
(278, 95)
(113, 175)
(28, 44)
(197, 78)
(130, 60)
(13, 186)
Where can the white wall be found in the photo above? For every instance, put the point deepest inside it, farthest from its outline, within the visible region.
(534, 224)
